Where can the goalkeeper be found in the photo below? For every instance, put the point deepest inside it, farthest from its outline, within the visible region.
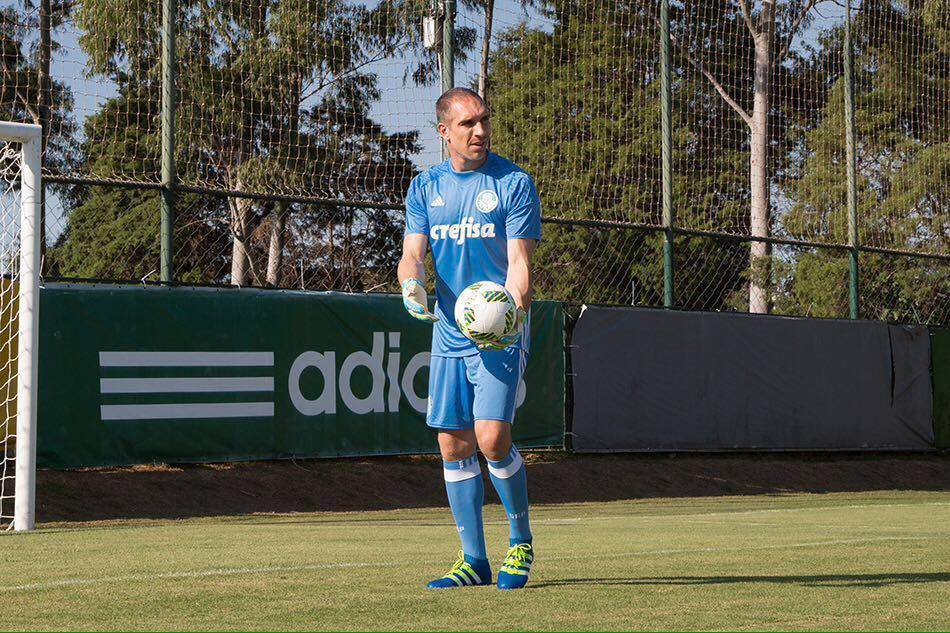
(481, 216)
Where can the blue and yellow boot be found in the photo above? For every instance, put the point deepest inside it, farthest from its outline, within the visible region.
(466, 572)
(514, 571)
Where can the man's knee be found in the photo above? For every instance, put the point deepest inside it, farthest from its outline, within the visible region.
(494, 438)
(456, 445)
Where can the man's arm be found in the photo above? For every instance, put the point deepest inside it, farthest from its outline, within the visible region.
(412, 277)
(412, 264)
(519, 282)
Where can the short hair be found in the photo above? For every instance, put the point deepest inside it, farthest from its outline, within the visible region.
(444, 103)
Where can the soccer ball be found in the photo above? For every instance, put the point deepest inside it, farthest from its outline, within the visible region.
(486, 313)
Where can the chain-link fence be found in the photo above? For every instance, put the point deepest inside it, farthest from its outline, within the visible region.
(298, 125)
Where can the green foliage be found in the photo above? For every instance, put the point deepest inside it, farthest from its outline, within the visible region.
(274, 97)
(547, 119)
(611, 266)
(579, 108)
(711, 274)
(114, 234)
(896, 288)
(903, 157)
(814, 284)
(593, 153)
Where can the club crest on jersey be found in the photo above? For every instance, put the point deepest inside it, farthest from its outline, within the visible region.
(486, 201)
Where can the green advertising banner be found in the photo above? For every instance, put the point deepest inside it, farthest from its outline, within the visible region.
(138, 375)
(940, 362)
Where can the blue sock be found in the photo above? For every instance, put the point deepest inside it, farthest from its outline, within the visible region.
(510, 480)
(463, 483)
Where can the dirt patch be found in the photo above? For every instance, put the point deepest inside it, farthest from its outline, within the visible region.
(383, 483)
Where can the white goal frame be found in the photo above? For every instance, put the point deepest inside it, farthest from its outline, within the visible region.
(30, 138)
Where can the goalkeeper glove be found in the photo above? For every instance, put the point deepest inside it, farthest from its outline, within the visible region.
(415, 300)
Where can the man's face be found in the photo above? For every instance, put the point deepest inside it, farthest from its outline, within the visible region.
(467, 130)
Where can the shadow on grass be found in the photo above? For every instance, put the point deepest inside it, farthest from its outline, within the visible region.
(828, 580)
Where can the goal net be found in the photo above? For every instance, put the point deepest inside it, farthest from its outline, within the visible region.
(20, 192)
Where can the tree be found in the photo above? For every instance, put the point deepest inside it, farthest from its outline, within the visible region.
(579, 107)
(903, 155)
(708, 30)
(274, 98)
(27, 93)
(545, 117)
(113, 233)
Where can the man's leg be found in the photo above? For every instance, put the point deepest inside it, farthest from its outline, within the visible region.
(510, 480)
(464, 487)
(496, 376)
(508, 475)
(450, 414)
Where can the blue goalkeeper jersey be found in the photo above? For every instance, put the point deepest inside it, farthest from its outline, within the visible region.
(469, 218)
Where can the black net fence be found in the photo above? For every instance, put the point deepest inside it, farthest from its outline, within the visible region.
(299, 124)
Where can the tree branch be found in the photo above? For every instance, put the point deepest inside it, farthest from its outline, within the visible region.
(712, 79)
(747, 16)
(791, 33)
(313, 89)
(216, 21)
(34, 114)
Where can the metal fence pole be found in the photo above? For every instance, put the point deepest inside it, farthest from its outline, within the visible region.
(448, 53)
(169, 177)
(448, 46)
(667, 152)
(850, 160)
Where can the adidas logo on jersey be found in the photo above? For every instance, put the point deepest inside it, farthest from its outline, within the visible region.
(438, 202)
(468, 228)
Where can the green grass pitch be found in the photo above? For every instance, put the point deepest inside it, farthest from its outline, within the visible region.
(856, 561)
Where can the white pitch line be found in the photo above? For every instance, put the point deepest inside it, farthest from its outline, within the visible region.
(207, 573)
(611, 517)
(239, 571)
(753, 512)
(186, 359)
(186, 385)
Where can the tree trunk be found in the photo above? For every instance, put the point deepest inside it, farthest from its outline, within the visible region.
(240, 208)
(275, 252)
(761, 252)
(333, 276)
(486, 45)
(349, 274)
(239, 253)
(291, 142)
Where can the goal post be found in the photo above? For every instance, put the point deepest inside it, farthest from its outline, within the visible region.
(20, 203)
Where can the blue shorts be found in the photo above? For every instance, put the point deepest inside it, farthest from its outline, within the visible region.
(483, 386)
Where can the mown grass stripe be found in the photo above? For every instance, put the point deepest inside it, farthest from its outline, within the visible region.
(209, 573)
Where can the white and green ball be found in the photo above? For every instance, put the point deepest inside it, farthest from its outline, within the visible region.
(485, 312)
